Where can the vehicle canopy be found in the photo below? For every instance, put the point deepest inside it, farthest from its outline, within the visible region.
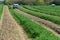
(53, 5)
(15, 5)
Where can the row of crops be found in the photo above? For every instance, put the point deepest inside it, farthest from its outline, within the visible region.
(41, 15)
(34, 31)
(52, 11)
(1, 10)
(44, 9)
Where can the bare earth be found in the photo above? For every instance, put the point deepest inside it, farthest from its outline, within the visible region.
(46, 24)
(10, 30)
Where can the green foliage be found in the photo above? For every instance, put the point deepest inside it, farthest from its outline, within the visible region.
(45, 9)
(35, 31)
(41, 15)
(49, 10)
(9, 6)
(25, 22)
(4, 1)
(1, 10)
(39, 2)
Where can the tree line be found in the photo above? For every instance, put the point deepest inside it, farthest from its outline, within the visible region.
(32, 2)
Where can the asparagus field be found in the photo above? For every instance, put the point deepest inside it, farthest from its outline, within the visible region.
(45, 9)
(34, 30)
(29, 23)
(43, 16)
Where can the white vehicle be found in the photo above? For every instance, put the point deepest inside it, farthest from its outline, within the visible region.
(53, 5)
(15, 6)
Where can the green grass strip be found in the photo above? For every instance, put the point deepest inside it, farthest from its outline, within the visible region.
(1, 10)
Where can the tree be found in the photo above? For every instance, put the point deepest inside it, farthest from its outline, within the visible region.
(47, 1)
(39, 2)
(4, 1)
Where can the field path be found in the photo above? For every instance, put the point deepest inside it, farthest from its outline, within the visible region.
(46, 24)
(10, 30)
